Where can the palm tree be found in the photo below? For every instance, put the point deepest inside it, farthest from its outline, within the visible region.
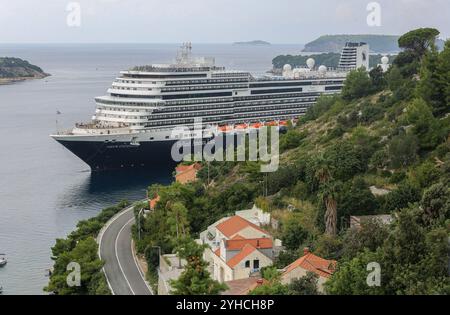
(328, 195)
(329, 192)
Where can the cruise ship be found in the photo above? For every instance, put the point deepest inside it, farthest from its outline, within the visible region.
(133, 124)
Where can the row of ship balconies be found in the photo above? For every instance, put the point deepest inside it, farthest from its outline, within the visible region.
(207, 106)
(226, 118)
(243, 111)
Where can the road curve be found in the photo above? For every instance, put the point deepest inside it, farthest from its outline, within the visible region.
(121, 269)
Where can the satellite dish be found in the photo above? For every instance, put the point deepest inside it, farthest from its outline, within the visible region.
(384, 60)
(322, 69)
(310, 63)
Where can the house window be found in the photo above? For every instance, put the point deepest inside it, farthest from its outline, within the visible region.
(256, 264)
(247, 264)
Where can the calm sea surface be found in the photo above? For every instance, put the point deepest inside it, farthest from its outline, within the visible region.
(44, 189)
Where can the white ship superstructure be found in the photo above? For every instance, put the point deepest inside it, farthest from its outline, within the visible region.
(354, 56)
(133, 124)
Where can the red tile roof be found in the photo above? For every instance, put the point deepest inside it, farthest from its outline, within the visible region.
(313, 263)
(238, 244)
(236, 224)
(184, 168)
(243, 286)
(246, 250)
(187, 173)
(153, 202)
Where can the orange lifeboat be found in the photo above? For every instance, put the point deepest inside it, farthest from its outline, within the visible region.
(241, 126)
(283, 123)
(271, 123)
(256, 125)
(225, 128)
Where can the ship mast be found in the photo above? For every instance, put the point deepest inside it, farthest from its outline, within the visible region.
(185, 53)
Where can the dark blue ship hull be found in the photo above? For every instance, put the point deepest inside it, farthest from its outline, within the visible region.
(102, 156)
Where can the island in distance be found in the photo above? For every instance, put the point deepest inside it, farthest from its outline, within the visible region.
(253, 43)
(16, 69)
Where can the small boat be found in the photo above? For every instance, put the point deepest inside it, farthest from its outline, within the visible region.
(3, 260)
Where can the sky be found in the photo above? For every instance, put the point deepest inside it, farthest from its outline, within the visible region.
(211, 21)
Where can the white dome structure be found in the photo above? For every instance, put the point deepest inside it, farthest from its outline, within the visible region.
(310, 63)
(287, 67)
(322, 69)
(385, 60)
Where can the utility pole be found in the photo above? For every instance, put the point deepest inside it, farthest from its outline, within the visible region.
(159, 256)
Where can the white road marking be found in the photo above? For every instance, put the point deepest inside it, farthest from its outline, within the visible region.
(117, 256)
(140, 271)
(100, 239)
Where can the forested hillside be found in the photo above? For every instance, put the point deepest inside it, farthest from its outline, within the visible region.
(387, 132)
(15, 68)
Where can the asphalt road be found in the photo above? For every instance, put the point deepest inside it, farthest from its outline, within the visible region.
(121, 269)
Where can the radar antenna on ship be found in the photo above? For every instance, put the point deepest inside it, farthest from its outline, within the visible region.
(185, 53)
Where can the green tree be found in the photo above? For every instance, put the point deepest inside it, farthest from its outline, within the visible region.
(402, 150)
(435, 203)
(358, 84)
(323, 104)
(370, 236)
(293, 234)
(307, 285)
(92, 280)
(427, 128)
(195, 279)
(413, 260)
(344, 160)
(177, 219)
(415, 45)
(291, 140)
(350, 278)
(400, 198)
(444, 72)
(272, 285)
(432, 85)
(355, 198)
(394, 78)
(378, 80)
(418, 41)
